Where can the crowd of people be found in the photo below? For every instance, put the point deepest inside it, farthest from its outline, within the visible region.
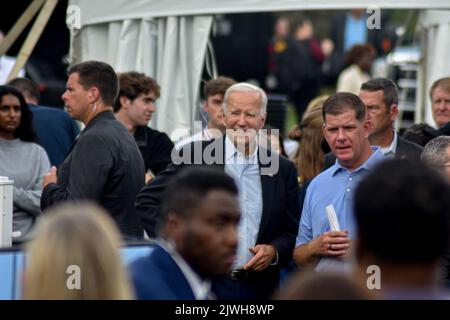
(228, 210)
(300, 63)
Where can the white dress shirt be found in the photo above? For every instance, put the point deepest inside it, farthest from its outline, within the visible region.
(201, 288)
(392, 149)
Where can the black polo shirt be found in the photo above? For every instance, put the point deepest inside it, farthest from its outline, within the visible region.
(156, 148)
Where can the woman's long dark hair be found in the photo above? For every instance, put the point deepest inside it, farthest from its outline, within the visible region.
(25, 130)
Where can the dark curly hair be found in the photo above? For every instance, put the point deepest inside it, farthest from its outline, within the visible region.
(132, 84)
(25, 130)
(357, 52)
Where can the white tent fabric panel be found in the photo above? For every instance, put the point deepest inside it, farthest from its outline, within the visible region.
(127, 45)
(171, 50)
(93, 12)
(437, 44)
(180, 63)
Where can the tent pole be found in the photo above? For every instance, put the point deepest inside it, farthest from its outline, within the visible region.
(33, 37)
(20, 24)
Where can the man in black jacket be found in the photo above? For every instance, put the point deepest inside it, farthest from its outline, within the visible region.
(268, 194)
(104, 164)
(380, 96)
(134, 107)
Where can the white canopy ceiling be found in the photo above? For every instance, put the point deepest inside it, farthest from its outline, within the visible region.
(93, 12)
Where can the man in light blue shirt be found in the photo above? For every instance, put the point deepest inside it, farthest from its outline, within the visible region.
(346, 131)
(268, 195)
(245, 171)
(380, 96)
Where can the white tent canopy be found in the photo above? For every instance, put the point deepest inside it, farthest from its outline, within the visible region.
(436, 52)
(171, 50)
(94, 12)
(168, 40)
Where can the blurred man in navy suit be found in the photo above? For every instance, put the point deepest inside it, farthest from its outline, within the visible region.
(198, 238)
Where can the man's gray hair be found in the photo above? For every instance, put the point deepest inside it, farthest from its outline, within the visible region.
(246, 87)
(435, 152)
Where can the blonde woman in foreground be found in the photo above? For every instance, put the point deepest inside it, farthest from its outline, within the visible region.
(75, 241)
